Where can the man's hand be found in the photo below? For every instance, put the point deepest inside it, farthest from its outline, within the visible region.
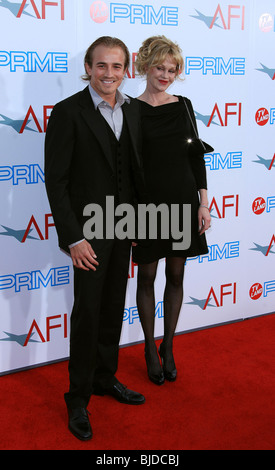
(83, 256)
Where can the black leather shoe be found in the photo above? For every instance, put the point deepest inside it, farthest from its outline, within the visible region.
(155, 377)
(171, 374)
(79, 423)
(122, 394)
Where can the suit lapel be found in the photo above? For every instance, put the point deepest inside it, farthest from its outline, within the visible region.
(131, 114)
(93, 119)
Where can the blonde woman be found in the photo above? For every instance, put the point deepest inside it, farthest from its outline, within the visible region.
(174, 175)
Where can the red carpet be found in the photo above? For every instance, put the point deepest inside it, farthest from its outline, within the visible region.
(223, 398)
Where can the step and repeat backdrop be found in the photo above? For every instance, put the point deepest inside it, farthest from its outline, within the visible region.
(230, 78)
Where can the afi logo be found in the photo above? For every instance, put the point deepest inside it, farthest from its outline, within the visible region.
(231, 201)
(33, 223)
(223, 17)
(30, 112)
(230, 109)
(63, 323)
(20, 125)
(22, 235)
(225, 289)
(43, 4)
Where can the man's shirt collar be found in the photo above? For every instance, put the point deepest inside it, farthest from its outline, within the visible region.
(121, 98)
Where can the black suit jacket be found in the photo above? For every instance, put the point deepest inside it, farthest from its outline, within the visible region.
(78, 162)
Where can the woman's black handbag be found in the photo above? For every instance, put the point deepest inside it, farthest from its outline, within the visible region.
(196, 146)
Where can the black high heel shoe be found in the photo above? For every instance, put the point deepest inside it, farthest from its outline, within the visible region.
(156, 378)
(169, 375)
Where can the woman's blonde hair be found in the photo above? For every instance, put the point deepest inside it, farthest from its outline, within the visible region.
(154, 51)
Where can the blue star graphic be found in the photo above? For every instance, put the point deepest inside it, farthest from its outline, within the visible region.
(261, 249)
(205, 19)
(212, 215)
(269, 72)
(14, 8)
(204, 118)
(264, 162)
(18, 234)
(16, 124)
(19, 339)
(199, 302)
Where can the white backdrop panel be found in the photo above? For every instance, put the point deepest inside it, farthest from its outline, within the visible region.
(229, 76)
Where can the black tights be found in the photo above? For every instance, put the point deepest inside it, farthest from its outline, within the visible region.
(172, 301)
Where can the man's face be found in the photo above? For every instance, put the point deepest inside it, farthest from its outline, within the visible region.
(107, 70)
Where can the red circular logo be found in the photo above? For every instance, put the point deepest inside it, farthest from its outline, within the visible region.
(258, 205)
(99, 11)
(256, 291)
(261, 116)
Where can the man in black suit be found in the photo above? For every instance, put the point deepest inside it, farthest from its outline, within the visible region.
(91, 152)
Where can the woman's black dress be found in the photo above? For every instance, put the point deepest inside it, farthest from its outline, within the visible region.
(172, 175)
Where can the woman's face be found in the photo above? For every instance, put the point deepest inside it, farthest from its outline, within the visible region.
(160, 77)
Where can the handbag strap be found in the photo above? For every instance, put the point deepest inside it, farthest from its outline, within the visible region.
(193, 125)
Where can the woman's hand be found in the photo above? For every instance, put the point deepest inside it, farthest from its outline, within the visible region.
(204, 218)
